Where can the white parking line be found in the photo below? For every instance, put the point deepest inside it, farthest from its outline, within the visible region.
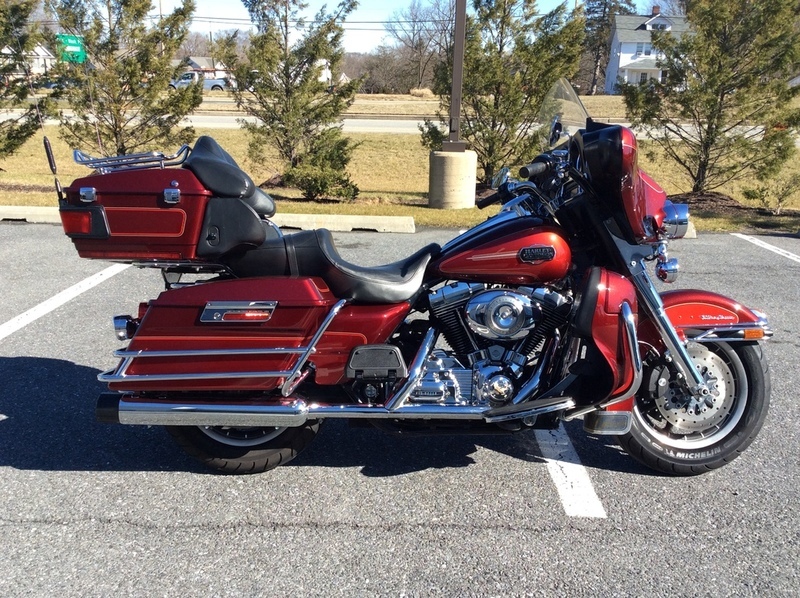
(569, 475)
(58, 300)
(772, 248)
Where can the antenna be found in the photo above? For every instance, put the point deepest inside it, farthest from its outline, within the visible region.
(48, 149)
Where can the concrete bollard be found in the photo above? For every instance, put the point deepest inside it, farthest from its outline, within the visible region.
(451, 183)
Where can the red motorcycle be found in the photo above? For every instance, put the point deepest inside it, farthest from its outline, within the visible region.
(541, 314)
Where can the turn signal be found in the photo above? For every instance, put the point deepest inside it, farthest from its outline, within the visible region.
(667, 271)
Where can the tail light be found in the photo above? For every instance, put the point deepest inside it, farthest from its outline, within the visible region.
(89, 222)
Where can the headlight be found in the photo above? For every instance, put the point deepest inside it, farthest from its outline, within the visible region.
(676, 220)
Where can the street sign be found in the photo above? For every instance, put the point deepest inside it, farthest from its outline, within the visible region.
(72, 48)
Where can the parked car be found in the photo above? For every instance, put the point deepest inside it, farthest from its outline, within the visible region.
(190, 77)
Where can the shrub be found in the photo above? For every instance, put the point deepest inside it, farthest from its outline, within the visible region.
(322, 182)
(423, 92)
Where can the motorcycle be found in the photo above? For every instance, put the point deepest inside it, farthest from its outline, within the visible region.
(543, 313)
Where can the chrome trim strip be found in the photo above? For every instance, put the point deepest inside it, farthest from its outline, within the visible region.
(127, 378)
(209, 352)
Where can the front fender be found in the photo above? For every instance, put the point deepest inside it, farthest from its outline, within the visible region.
(703, 316)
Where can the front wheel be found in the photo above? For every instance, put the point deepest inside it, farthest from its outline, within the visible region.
(678, 434)
(244, 450)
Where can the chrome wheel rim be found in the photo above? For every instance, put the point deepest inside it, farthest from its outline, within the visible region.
(680, 421)
(241, 436)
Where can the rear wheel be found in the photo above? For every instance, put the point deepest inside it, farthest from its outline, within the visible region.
(244, 450)
(678, 434)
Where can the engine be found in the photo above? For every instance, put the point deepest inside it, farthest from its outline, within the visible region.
(493, 334)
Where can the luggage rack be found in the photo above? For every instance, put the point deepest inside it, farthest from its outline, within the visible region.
(132, 161)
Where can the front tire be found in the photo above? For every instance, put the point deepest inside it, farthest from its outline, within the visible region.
(243, 450)
(676, 434)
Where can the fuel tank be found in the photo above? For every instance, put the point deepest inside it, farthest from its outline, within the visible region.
(513, 250)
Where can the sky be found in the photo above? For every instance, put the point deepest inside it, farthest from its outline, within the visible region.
(363, 29)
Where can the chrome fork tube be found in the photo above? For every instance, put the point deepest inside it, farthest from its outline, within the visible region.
(655, 307)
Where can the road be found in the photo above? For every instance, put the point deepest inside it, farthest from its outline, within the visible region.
(95, 510)
(350, 125)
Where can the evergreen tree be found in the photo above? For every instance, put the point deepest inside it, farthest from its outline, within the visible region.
(118, 96)
(725, 109)
(512, 56)
(599, 22)
(298, 111)
(16, 82)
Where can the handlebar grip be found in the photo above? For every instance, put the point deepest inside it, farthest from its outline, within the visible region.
(487, 201)
(533, 169)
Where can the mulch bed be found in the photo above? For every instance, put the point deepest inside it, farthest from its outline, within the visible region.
(716, 204)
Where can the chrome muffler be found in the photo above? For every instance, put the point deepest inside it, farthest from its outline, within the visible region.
(135, 410)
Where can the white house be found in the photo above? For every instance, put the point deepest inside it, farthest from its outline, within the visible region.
(632, 58)
(39, 60)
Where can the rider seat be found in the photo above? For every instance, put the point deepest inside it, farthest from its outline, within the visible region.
(313, 254)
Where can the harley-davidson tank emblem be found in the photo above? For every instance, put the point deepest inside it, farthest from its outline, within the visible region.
(537, 254)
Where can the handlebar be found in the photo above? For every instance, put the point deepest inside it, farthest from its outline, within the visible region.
(539, 166)
(487, 201)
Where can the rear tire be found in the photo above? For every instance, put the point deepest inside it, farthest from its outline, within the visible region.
(243, 450)
(674, 434)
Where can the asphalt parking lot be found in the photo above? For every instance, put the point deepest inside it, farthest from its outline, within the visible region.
(88, 509)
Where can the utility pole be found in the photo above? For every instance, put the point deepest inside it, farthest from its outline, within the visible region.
(454, 143)
(452, 173)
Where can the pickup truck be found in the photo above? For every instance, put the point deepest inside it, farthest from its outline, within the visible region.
(190, 77)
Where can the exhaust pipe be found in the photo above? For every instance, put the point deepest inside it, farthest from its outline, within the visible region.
(128, 409)
(133, 410)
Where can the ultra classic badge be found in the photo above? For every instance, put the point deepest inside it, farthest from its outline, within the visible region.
(537, 254)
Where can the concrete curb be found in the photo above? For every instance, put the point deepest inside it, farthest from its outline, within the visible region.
(339, 223)
(30, 214)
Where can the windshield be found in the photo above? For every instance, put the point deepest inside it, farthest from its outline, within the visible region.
(562, 112)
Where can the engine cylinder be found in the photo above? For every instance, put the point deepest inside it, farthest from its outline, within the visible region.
(502, 315)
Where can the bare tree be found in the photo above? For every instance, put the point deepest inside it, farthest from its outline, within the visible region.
(673, 7)
(384, 71)
(195, 44)
(442, 14)
(413, 32)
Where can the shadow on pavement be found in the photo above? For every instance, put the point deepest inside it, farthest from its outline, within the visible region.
(47, 422)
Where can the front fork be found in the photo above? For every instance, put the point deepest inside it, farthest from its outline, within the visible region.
(676, 350)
